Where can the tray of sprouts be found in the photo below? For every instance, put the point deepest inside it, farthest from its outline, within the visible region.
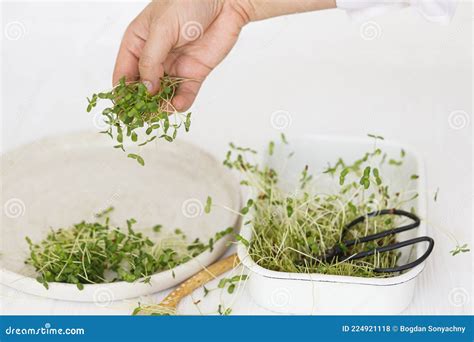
(299, 202)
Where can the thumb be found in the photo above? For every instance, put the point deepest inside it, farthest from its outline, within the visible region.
(157, 47)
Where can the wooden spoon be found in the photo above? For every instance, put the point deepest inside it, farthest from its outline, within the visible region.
(171, 301)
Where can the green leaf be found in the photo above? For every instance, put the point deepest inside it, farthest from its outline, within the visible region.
(289, 210)
(375, 136)
(136, 311)
(207, 208)
(137, 158)
(436, 195)
(342, 176)
(239, 278)
(376, 173)
(222, 283)
(395, 162)
(242, 240)
(271, 147)
(187, 123)
(120, 146)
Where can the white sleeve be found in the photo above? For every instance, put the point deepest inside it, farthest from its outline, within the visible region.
(439, 11)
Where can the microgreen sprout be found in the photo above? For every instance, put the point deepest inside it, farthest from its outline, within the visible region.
(460, 249)
(243, 240)
(157, 228)
(207, 208)
(231, 282)
(153, 310)
(223, 311)
(376, 137)
(271, 148)
(435, 198)
(139, 116)
(395, 162)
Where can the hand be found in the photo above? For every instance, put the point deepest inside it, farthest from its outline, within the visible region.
(189, 38)
(182, 38)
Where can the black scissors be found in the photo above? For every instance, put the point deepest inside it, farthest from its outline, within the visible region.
(338, 253)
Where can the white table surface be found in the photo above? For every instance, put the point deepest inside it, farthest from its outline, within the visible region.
(326, 71)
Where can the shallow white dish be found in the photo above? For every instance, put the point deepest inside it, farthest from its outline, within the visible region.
(62, 180)
(305, 294)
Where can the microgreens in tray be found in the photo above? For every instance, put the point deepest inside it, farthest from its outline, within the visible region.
(96, 252)
(290, 229)
(140, 117)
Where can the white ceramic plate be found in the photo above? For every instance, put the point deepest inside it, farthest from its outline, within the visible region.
(63, 180)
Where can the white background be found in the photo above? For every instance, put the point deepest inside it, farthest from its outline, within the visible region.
(398, 76)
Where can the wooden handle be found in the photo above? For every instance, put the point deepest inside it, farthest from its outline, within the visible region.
(200, 279)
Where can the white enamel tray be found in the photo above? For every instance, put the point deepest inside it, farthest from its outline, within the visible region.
(63, 180)
(305, 294)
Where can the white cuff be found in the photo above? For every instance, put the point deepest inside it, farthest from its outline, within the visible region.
(439, 11)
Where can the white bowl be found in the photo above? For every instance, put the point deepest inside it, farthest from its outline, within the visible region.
(63, 180)
(297, 293)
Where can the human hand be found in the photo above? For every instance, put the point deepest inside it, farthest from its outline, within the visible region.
(189, 38)
(182, 38)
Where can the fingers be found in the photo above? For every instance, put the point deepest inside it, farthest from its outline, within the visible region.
(157, 47)
(127, 58)
(185, 95)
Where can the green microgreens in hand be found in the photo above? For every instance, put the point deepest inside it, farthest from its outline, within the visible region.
(95, 252)
(140, 117)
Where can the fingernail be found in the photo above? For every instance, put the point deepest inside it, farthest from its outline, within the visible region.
(148, 85)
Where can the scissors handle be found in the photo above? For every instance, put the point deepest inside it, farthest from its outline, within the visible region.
(394, 246)
(397, 212)
(339, 250)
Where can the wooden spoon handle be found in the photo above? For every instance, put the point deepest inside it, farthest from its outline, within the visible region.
(200, 279)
